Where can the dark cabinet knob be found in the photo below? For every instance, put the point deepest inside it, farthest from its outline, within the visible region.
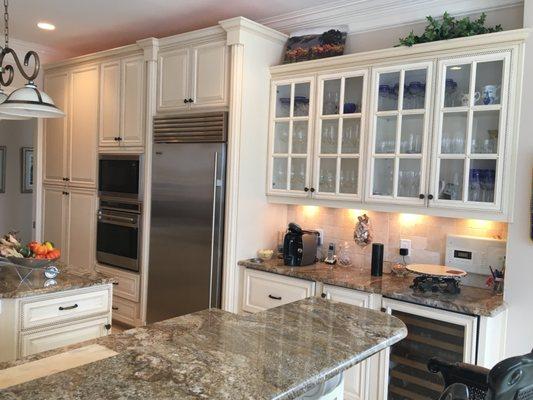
(191, 100)
(67, 179)
(119, 139)
(312, 190)
(66, 193)
(114, 308)
(107, 326)
(421, 196)
(324, 295)
(185, 101)
(306, 189)
(430, 196)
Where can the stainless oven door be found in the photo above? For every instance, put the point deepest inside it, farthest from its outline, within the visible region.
(117, 239)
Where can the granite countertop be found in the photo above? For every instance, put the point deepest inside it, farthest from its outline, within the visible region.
(276, 354)
(471, 300)
(36, 283)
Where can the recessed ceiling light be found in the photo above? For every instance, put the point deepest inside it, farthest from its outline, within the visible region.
(46, 26)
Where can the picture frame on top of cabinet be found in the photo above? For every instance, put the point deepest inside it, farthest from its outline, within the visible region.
(3, 152)
(26, 169)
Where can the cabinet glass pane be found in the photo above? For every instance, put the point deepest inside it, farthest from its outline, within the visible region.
(386, 134)
(351, 129)
(279, 174)
(281, 137)
(328, 175)
(383, 176)
(409, 178)
(389, 84)
(412, 134)
(454, 127)
(488, 82)
(457, 86)
(353, 95)
(329, 138)
(332, 93)
(414, 89)
(349, 174)
(451, 179)
(298, 168)
(299, 137)
(301, 99)
(481, 182)
(283, 101)
(485, 132)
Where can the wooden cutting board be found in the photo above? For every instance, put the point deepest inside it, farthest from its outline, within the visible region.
(53, 364)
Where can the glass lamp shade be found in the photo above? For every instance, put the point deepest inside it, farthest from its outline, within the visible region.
(29, 102)
(3, 98)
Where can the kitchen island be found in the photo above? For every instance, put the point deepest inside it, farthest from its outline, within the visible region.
(281, 353)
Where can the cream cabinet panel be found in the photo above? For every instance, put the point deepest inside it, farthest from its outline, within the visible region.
(55, 132)
(39, 341)
(132, 97)
(110, 96)
(127, 285)
(81, 228)
(173, 80)
(125, 311)
(83, 127)
(209, 75)
(54, 208)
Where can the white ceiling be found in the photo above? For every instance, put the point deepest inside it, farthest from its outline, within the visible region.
(84, 26)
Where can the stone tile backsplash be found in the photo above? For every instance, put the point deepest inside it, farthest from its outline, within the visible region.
(427, 233)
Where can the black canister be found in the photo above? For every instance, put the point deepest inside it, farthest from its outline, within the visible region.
(377, 259)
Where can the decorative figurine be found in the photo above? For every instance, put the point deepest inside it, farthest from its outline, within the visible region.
(362, 234)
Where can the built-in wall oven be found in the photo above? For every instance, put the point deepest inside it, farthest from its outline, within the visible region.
(119, 175)
(119, 232)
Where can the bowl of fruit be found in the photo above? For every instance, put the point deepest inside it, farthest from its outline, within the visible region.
(33, 255)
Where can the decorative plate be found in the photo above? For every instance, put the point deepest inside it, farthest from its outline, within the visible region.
(436, 270)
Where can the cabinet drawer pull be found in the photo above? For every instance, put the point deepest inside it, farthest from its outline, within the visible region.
(61, 308)
(274, 297)
(107, 326)
(115, 283)
(114, 308)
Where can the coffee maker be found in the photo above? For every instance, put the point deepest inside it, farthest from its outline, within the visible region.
(299, 246)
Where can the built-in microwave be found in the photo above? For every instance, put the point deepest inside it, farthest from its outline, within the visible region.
(119, 175)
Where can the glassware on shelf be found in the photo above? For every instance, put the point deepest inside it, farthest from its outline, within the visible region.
(298, 167)
(328, 168)
(348, 175)
(451, 179)
(329, 136)
(331, 99)
(301, 99)
(279, 174)
(283, 101)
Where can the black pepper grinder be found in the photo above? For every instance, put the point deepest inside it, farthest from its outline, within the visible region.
(377, 259)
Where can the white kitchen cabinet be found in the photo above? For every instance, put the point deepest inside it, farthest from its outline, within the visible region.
(54, 217)
(192, 77)
(398, 145)
(126, 311)
(264, 290)
(122, 86)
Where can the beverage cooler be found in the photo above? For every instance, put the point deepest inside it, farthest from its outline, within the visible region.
(431, 333)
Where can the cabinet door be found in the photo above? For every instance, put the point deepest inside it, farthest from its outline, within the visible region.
(290, 146)
(340, 127)
(81, 228)
(173, 80)
(109, 103)
(132, 109)
(209, 75)
(471, 132)
(399, 140)
(54, 216)
(55, 130)
(356, 379)
(83, 130)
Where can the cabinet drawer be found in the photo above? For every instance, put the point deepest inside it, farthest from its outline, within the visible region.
(263, 290)
(125, 311)
(43, 340)
(67, 307)
(127, 285)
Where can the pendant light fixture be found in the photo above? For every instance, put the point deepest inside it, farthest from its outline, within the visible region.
(27, 101)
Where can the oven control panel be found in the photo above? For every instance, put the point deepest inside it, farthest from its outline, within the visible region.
(474, 254)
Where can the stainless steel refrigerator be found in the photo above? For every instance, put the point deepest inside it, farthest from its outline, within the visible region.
(187, 214)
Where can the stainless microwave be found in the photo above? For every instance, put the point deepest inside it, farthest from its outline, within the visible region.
(119, 176)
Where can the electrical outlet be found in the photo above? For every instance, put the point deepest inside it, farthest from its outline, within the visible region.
(405, 244)
(320, 236)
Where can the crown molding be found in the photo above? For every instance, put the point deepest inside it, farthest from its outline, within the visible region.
(235, 26)
(369, 15)
(46, 53)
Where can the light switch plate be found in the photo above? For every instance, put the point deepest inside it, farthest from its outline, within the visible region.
(405, 244)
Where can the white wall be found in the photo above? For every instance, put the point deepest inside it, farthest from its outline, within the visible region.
(16, 208)
(519, 273)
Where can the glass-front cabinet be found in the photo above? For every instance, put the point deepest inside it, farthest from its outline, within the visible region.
(399, 134)
(290, 137)
(339, 131)
(470, 130)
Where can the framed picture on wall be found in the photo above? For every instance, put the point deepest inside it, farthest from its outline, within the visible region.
(2, 169)
(26, 164)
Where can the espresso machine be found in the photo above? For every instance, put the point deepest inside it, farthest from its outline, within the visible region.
(299, 246)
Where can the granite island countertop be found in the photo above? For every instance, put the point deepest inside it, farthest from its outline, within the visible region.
(36, 283)
(471, 300)
(276, 354)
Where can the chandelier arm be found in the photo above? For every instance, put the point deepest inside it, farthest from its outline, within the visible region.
(30, 54)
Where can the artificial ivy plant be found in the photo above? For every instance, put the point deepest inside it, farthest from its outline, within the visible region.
(449, 28)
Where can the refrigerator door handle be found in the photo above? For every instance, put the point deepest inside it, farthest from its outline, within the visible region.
(213, 227)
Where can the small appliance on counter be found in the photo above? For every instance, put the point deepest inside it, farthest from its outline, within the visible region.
(299, 246)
